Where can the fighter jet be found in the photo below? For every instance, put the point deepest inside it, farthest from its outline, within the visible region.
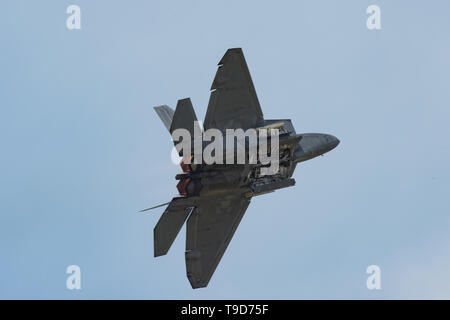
(213, 198)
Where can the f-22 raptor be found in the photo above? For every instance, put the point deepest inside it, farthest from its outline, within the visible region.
(214, 197)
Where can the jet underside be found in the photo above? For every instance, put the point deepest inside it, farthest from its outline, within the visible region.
(213, 198)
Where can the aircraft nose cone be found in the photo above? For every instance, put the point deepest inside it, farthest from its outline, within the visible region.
(333, 141)
(336, 141)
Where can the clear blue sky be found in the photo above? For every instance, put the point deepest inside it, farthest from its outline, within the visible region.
(82, 149)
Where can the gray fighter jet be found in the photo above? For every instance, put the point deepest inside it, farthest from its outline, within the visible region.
(213, 198)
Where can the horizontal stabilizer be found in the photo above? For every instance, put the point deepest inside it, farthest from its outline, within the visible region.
(169, 225)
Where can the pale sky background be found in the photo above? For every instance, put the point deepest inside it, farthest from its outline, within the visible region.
(82, 149)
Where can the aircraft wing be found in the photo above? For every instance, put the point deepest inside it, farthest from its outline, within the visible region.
(233, 102)
(210, 228)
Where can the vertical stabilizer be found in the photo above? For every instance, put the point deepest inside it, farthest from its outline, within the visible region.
(184, 117)
(165, 113)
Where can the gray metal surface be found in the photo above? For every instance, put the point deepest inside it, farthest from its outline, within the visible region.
(209, 230)
(233, 103)
(216, 196)
(184, 117)
(165, 113)
(169, 225)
